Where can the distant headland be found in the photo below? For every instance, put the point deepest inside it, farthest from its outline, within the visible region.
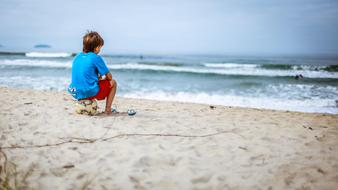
(42, 46)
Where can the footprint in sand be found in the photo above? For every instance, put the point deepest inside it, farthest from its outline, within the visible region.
(80, 176)
(201, 179)
(3, 137)
(58, 172)
(144, 161)
(23, 124)
(136, 181)
(73, 148)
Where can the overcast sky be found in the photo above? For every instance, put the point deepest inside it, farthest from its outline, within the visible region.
(174, 26)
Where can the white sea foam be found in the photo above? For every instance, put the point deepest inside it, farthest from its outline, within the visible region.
(49, 82)
(229, 65)
(310, 105)
(307, 67)
(43, 54)
(249, 71)
(268, 100)
(258, 66)
(234, 70)
(36, 63)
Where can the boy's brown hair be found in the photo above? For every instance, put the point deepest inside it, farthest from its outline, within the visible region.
(91, 41)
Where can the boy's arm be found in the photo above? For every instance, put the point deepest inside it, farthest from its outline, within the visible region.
(109, 77)
(103, 70)
(102, 77)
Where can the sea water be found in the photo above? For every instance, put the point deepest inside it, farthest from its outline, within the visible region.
(294, 83)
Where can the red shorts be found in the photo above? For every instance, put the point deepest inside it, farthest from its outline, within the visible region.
(104, 91)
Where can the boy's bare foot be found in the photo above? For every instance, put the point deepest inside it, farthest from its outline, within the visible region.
(104, 114)
(108, 113)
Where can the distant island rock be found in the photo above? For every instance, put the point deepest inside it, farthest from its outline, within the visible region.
(42, 46)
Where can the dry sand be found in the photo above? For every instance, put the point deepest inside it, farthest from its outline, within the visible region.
(166, 145)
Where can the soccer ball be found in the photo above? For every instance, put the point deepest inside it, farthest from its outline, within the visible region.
(86, 107)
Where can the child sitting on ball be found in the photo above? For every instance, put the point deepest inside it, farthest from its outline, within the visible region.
(91, 78)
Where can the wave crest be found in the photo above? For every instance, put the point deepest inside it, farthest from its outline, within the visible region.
(42, 54)
(248, 71)
(222, 70)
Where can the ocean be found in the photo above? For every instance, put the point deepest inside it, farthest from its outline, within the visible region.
(294, 83)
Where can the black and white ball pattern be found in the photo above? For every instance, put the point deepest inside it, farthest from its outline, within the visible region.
(86, 107)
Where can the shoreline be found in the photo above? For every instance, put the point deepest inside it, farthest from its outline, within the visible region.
(213, 148)
(180, 102)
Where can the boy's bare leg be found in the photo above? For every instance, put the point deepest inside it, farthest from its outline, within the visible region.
(110, 97)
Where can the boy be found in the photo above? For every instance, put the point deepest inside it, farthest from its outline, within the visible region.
(91, 78)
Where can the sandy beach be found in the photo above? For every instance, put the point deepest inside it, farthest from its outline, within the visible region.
(166, 145)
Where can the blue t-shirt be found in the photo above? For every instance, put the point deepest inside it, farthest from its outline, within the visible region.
(85, 70)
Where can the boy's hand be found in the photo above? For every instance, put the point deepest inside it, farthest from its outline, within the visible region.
(111, 83)
(102, 77)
